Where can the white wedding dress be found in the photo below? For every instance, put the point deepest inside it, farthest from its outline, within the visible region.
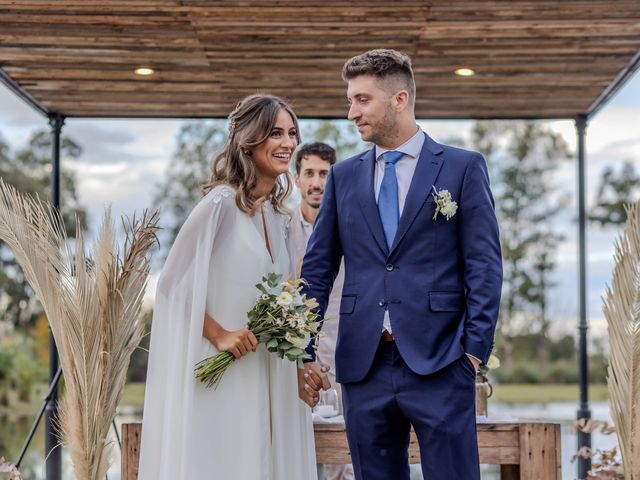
(253, 426)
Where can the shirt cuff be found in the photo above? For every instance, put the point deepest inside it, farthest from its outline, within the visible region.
(473, 356)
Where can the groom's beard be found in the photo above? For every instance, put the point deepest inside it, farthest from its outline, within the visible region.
(385, 131)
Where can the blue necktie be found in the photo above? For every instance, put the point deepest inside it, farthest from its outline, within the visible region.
(388, 196)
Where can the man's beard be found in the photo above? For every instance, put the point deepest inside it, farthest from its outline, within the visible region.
(309, 202)
(385, 130)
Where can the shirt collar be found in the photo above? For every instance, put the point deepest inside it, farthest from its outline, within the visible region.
(411, 147)
(303, 222)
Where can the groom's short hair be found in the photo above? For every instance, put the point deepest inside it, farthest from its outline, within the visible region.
(386, 65)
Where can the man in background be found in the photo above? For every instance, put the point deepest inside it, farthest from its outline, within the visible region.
(312, 168)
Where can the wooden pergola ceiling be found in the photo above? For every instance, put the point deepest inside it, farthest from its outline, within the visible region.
(534, 59)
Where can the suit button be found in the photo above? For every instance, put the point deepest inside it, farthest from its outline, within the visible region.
(389, 267)
(381, 303)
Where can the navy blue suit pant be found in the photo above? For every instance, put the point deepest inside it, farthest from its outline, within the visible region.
(380, 410)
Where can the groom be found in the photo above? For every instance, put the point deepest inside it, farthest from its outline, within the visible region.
(415, 223)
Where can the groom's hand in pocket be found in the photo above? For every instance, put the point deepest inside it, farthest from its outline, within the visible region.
(474, 361)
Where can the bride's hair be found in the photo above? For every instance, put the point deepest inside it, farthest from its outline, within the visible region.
(250, 124)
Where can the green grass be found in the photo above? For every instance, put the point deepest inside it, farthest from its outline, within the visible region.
(133, 395)
(506, 393)
(527, 393)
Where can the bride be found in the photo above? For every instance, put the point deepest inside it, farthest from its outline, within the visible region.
(253, 426)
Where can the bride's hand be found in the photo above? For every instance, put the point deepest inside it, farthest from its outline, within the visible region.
(238, 342)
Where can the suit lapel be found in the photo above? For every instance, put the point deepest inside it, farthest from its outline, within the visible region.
(364, 173)
(424, 178)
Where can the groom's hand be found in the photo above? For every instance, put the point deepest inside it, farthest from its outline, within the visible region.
(311, 379)
(316, 375)
(307, 394)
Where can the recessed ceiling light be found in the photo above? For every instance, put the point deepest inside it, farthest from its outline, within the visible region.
(144, 71)
(465, 72)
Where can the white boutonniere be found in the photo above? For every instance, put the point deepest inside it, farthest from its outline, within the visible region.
(444, 204)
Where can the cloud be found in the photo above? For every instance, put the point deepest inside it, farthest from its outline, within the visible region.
(443, 131)
(131, 141)
(16, 111)
(17, 119)
(123, 186)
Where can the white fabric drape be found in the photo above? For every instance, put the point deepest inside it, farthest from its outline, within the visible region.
(253, 426)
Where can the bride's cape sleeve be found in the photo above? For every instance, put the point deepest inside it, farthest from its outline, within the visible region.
(176, 335)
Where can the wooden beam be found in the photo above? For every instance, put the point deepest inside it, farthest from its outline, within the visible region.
(533, 58)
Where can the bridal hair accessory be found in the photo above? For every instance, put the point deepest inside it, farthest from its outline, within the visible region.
(444, 204)
(232, 120)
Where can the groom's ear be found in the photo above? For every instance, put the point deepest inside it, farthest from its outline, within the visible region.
(401, 100)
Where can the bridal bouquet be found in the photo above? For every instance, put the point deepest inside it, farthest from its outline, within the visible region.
(282, 318)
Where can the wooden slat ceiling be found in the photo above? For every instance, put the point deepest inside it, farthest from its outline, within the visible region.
(533, 58)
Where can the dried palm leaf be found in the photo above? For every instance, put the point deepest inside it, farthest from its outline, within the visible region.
(93, 306)
(622, 311)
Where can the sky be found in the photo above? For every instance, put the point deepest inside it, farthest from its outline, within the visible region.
(123, 161)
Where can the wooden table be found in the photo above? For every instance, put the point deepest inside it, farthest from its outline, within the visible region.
(524, 450)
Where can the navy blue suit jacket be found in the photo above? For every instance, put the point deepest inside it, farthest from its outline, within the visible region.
(441, 280)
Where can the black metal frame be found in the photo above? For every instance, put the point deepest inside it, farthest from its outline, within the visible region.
(52, 388)
(584, 438)
(52, 453)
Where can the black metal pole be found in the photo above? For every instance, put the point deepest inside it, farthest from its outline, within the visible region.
(52, 389)
(584, 438)
(52, 453)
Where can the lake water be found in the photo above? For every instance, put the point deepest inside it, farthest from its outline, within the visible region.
(14, 431)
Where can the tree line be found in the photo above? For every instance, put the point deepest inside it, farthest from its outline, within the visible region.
(523, 158)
